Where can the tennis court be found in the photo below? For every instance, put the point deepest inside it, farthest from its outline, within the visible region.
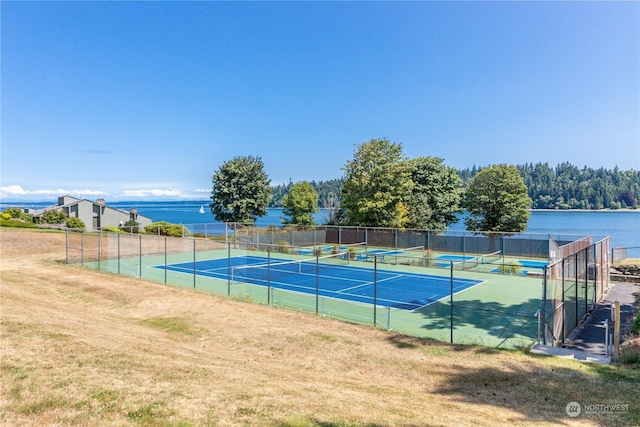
(330, 277)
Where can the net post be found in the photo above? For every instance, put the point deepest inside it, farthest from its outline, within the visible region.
(165, 260)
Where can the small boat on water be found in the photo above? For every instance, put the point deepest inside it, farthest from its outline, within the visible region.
(202, 209)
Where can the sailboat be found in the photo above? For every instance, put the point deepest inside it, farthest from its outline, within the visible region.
(202, 209)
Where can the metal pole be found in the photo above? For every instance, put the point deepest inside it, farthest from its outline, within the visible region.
(118, 253)
(616, 330)
(317, 281)
(140, 256)
(451, 302)
(165, 260)
(66, 241)
(228, 268)
(375, 286)
(268, 275)
(194, 263)
(543, 313)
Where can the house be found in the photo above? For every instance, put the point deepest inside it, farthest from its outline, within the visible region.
(95, 215)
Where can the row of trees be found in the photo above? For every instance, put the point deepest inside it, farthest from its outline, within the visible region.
(568, 187)
(382, 187)
(564, 186)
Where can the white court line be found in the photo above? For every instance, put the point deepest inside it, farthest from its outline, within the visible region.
(369, 283)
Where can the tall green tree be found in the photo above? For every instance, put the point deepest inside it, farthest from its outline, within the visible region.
(300, 204)
(377, 185)
(436, 196)
(497, 200)
(240, 191)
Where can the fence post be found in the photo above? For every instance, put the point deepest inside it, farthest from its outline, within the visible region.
(66, 241)
(165, 260)
(140, 256)
(269, 277)
(194, 263)
(616, 330)
(118, 239)
(228, 269)
(317, 280)
(451, 302)
(543, 309)
(375, 286)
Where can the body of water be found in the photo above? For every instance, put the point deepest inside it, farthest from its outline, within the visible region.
(622, 226)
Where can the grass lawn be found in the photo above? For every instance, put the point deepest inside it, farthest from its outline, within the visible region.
(80, 347)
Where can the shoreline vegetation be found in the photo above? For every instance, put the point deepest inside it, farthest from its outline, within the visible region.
(82, 347)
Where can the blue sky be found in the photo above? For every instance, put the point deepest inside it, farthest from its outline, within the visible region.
(144, 100)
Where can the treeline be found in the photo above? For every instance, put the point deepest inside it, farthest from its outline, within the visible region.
(568, 187)
(562, 187)
(328, 192)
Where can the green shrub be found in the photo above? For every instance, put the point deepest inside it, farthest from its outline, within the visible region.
(6, 215)
(352, 253)
(13, 212)
(111, 229)
(26, 217)
(630, 354)
(16, 223)
(163, 228)
(54, 216)
(317, 251)
(635, 327)
(75, 223)
(283, 247)
(131, 226)
(514, 267)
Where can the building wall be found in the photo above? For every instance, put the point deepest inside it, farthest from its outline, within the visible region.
(98, 215)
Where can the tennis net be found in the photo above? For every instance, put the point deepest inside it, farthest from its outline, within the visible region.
(276, 270)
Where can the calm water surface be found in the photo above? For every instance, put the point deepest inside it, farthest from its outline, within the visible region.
(622, 226)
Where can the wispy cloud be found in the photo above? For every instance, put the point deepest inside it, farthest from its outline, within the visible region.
(171, 192)
(18, 191)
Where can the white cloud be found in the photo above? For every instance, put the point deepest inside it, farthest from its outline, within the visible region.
(155, 193)
(18, 191)
(12, 190)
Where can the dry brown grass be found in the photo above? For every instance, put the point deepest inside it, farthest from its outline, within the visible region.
(88, 348)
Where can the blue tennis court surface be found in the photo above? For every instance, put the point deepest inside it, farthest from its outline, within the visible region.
(402, 290)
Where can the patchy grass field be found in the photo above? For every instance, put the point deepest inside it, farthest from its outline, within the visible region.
(80, 347)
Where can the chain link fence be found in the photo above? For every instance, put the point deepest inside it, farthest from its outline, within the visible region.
(497, 290)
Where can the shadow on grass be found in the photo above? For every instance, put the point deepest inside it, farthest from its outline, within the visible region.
(541, 391)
